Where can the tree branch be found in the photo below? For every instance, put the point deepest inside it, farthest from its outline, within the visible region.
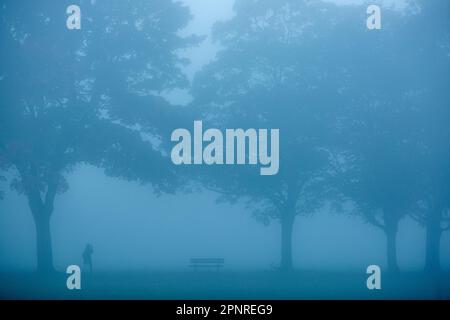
(373, 220)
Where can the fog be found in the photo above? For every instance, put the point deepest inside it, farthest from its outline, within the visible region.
(132, 229)
(362, 151)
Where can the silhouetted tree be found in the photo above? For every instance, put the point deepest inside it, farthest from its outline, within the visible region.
(433, 210)
(381, 178)
(56, 111)
(379, 172)
(432, 33)
(270, 75)
(394, 90)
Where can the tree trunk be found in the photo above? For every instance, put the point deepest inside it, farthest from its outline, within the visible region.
(44, 243)
(392, 250)
(41, 206)
(42, 211)
(287, 223)
(433, 241)
(391, 228)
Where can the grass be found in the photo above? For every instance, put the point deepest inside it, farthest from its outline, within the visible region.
(225, 285)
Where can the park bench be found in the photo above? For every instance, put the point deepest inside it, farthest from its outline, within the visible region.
(207, 263)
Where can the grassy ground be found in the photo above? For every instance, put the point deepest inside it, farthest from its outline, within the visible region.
(225, 285)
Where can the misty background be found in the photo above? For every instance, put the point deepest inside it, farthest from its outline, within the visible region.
(133, 227)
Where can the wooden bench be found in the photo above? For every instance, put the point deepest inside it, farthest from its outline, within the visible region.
(207, 263)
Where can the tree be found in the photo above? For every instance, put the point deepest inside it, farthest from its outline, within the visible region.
(389, 125)
(431, 32)
(380, 176)
(53, 114)
(433, 210)
(274, 73)
(375, 146)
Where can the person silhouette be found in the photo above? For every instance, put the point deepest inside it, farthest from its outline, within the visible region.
(87, 256)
